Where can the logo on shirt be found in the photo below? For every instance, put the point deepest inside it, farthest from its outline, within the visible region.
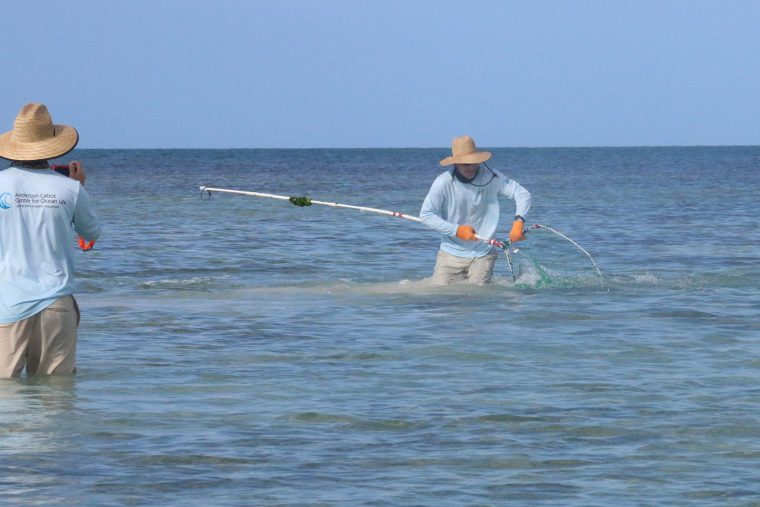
(27, 200)
(6, 200)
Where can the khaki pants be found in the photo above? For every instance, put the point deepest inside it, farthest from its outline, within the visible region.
(45, 343)
(451, 269)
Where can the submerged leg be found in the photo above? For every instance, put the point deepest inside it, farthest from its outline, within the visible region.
(449, 269)
(54, 350)
(480, 271)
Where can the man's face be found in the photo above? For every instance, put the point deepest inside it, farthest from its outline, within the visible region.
(468, 170)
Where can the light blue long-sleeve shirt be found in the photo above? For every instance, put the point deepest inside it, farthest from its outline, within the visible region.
(37, 210)
(451, 203)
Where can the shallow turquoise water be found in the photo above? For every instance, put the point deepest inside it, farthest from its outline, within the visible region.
(243, 351)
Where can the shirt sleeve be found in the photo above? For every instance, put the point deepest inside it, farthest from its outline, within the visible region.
(86, 221)
(513, 190)
(431, 213)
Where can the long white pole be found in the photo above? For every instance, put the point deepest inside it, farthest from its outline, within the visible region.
(396, 214)
(323, 203)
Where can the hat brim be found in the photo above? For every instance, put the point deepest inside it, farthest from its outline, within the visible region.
(63, 141)
(470, 158)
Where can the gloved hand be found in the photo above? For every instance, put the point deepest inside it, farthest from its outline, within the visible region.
(466, 232)
(85, 245)
(517, 234)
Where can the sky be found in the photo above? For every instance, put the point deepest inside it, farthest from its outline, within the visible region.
(386, 73)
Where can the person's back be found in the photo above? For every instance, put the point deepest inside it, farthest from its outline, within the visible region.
(37, 208)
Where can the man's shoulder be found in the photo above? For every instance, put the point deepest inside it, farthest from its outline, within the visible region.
(500, 174)
(444, 177)
(8, 173)
(38, 180)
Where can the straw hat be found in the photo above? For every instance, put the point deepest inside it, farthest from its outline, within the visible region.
(463, 151)
(34, 137)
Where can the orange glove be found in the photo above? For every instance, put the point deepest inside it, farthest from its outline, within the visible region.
(517, 234)
(85, 245)
(466, 232)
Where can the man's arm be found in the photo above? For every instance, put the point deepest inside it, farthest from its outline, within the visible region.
(86, 221)
(432, 211)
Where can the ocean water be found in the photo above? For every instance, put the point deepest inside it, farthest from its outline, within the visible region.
(244, 351)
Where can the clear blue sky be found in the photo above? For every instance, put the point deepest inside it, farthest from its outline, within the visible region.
(395, 73)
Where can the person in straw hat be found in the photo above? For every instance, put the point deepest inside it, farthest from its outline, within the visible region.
(464, 202)
(38, 313)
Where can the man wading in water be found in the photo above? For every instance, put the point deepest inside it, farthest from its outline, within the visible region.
(38, 313)
(464, 201)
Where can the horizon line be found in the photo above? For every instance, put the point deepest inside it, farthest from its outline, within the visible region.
(447, 147)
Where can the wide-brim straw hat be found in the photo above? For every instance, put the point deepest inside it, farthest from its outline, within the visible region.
(464, 151)
(35, 137)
